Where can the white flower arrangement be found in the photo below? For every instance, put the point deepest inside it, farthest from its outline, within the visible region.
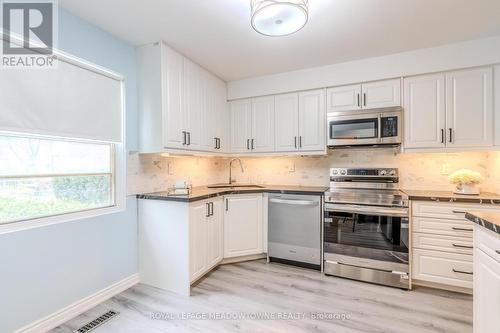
(465, 177)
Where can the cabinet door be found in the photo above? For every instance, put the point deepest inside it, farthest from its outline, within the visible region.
(486, 292)
(242, 225)
(262, 139)
(215, 234)
(345, 98)
(241, 112)
(424, 107)
(198, 259)
(312, 120)
(221, 110)
(173, 93)
(469, 108)
(286, 122)
(496, 98)
(381, 94)
(194, 103)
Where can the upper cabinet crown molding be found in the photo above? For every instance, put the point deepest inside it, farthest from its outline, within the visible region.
(378, 94)
(449, 110)
(180, 103)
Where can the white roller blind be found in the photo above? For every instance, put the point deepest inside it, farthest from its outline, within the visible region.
(69, 101)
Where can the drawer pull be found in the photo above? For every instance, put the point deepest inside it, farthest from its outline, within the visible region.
(461, 229)
(462, 246)
(497, 251)
(461, 272)
(458, 212)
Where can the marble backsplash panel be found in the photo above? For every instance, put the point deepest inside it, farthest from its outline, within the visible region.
(418, 171)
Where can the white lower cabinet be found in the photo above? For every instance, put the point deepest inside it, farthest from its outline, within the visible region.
(486, 281)
(442, 244)
(205, 236)
(243, 225)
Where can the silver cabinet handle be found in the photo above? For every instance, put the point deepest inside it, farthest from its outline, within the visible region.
(208, 209)
(248, 144)
(188, 138)
(462, 246)
(252, 144)
(442, 135)
(227, 204)
(294, 202)
(451, 134)
(461, 272)
(359, 104)
(461, 229)
(300, 141)
(458, 212)
(364, 99)
(216, 145)
(497, 251)
(211, 208)
(295, 142)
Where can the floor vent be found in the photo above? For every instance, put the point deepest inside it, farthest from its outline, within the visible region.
(97, 322)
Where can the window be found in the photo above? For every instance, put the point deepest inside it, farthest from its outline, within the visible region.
(41, 176)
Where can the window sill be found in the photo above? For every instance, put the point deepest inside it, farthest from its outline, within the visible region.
(9, 227)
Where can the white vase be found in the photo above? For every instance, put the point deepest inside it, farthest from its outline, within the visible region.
(471, 189)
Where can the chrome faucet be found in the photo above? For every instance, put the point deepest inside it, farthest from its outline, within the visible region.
(231, 167)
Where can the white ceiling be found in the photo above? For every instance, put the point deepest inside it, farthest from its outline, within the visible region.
(217, 33)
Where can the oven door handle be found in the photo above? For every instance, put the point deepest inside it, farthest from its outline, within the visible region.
(367, 210)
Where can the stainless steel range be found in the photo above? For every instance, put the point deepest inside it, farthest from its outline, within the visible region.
(366, 226)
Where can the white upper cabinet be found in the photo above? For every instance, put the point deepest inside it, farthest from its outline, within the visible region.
(262, 139)
(469, 107)
(312, 120)
(286, 122)
(496, 97)
(378, 94)
(449, 110)
(179, 102)
(252, 125)
(381, 94)
(241, 115)
(425, 116)
(345, 98)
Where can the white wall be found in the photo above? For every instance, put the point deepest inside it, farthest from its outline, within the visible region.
(453, 56)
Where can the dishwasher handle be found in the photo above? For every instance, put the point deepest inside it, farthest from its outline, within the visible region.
(294, 202)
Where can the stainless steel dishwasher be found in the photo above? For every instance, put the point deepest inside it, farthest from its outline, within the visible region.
(294, 229)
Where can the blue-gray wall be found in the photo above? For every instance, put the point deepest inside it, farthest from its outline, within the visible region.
(45, 269)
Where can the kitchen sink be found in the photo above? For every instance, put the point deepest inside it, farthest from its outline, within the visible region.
(234, 186)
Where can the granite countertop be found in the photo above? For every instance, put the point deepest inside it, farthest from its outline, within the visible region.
(489, 220)
(203, 192)
(484, 197)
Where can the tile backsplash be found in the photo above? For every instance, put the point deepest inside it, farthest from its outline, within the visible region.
(154, 172)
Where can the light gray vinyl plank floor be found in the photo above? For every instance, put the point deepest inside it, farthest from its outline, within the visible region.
(258, 288)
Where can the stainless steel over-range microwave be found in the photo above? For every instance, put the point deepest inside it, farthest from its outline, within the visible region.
(365, 127)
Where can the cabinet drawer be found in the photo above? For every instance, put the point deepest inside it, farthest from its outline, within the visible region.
(442, 267)
(487, 241)
(443, 226)
(448, 210)
(452, 244)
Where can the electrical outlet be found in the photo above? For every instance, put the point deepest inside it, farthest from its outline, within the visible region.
(445, 169)
(170, 168)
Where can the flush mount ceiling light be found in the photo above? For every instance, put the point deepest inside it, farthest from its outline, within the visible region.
(279, 17)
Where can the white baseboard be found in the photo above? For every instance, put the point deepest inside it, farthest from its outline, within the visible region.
(60, 317)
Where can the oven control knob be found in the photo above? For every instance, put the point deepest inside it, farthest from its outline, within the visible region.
(342, 172)
(392, 173)
(383, 172)
(335, 172)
